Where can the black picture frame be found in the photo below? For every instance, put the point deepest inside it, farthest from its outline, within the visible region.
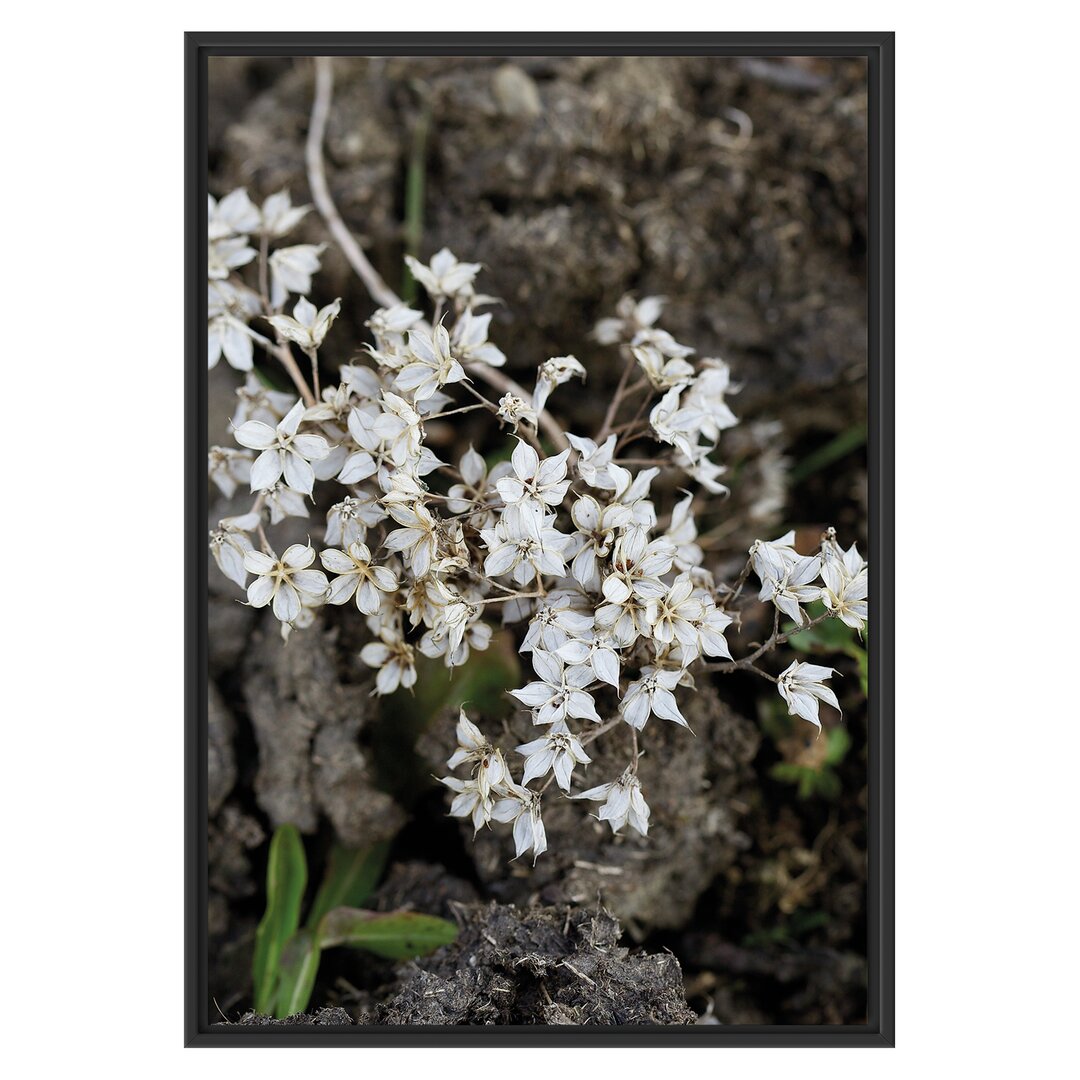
(878, 50)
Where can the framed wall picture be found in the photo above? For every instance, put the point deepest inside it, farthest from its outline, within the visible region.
(540, 421)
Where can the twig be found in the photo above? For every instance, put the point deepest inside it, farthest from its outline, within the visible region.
(380, 292)
(503, 599)
(288, 362)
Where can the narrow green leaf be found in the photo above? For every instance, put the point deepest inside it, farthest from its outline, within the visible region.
(351, 877)
(299, 966)
(832, 451)
(397, 935)
(413, 226)
(286, 879)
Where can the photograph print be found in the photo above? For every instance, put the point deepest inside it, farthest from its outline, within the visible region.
(535, 686)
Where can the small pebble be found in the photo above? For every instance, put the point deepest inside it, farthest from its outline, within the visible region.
(515, 92)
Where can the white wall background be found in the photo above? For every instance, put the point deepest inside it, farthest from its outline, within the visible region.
(987, 708)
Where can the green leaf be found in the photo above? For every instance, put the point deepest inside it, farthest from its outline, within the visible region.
(299, 966)
(286, 879)
(839, 743)
(786, 772)
(351, 877)
(831, 636)
(832, 451)
(397, 935)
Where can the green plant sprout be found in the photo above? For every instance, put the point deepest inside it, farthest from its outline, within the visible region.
(820, 779)
(286, 958)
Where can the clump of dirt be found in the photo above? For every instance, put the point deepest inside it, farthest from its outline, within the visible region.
(546, 965)
(307, 724)
(423, 886)
(692, 782)
(329, 1017)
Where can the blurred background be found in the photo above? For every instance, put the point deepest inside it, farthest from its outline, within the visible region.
(736, 188)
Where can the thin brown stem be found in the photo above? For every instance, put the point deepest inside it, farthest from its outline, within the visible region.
(264, 288)
(486, 402)
(775, 639)
(616, 401)
(379, 291)
(288, 362)
(594, 735)
(454, 412)
(494, 377)
(514, 596)
(630, 431)
(736, 589)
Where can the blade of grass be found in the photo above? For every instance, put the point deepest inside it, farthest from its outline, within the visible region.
(286, 879)
(414, 198)
(397, 935)
(299, 966)
(351, 876)
(836, 448)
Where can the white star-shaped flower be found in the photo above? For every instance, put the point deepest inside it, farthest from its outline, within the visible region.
(444, 277)
(431, 366)
(309, 325)
(284, 451)
(357, 577)
(557, 751)
(559, 693)
(522, 807)
(623, 803)
(291, 269)
(651, 695)
(281, 581)
(802, 686)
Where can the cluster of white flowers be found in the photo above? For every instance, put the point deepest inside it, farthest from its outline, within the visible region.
(609, 592)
